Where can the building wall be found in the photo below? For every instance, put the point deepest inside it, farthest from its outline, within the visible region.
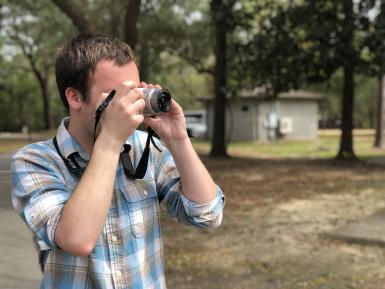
(262, 116)
(304, 116)
(241, 121)
(251, 120)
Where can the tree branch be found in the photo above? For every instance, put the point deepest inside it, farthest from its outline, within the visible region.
(77, 14)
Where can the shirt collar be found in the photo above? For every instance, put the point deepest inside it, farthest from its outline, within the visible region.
(67, 144)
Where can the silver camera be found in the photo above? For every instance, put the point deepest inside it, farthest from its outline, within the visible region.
(157, 100)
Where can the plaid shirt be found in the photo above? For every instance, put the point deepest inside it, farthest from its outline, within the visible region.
(128, 253)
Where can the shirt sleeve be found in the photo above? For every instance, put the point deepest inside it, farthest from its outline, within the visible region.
(170, 192)
(38, 195)
(205, 215)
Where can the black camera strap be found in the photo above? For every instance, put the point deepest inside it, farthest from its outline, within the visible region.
(75, 169)
(71, 164)
(101, 108)
(143, 162)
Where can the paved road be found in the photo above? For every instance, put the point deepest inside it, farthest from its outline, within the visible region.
(18, 258)
(5, 181)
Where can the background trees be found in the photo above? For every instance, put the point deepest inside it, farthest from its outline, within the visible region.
(200, 48)
(308, 42)
(29, 42)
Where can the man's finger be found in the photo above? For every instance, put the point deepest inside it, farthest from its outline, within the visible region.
(139, 105)
(125, 88)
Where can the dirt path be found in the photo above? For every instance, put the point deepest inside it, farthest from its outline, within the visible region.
(275, 215)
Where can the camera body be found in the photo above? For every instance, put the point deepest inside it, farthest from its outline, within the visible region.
(157, 100)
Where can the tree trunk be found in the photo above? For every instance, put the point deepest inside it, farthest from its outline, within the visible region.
(43, 84)
(143, 65)
(346, 144)
(218, 13)
(42, 78)
(131, 19)
(46, 105)
(117, 18)
(379, 141)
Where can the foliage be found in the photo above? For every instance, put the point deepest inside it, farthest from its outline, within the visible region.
(267, 42)
(365, 98)
(34, 25)
(179, 55)
(375, 41)
(307, 42)
(30, 38)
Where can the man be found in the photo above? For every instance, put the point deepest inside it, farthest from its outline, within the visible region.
(100, 228)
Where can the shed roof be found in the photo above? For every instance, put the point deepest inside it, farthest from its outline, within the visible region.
(261, 92)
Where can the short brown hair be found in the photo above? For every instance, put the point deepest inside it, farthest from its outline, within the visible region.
(79, 57)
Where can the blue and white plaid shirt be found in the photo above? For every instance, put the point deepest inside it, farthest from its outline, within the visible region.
(128, 253)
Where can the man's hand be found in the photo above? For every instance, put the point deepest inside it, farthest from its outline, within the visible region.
(123, 114)
(170, 126)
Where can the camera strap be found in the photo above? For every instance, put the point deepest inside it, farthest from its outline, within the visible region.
(71, 164)
(101, 108)
(143, 162)
(75, 169)
(125, 159)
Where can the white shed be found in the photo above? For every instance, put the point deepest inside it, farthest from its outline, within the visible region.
(255, 116)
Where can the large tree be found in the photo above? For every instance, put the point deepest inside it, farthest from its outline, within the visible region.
(375, 41)
(306, 43)
(220, 11)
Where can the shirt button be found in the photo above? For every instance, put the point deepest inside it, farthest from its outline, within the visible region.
(114, 239)
(145, 192)
(118, 273)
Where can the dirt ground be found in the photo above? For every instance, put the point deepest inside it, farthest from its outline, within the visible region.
(272, 234)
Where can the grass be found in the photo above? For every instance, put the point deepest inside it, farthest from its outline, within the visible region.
(13, 142)
(10, 145)
(325, 146)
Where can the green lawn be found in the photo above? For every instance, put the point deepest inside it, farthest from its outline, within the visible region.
(10, 145)
(326, 146)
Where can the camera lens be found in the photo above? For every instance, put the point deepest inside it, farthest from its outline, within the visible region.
(164, 100)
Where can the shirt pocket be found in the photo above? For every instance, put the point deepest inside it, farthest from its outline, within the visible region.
(142, 205)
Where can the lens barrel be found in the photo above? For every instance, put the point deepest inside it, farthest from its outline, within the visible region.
(157, 100)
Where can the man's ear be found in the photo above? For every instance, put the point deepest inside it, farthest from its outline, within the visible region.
(74, 98)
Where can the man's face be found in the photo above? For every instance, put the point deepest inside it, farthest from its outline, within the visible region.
(106, 77)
